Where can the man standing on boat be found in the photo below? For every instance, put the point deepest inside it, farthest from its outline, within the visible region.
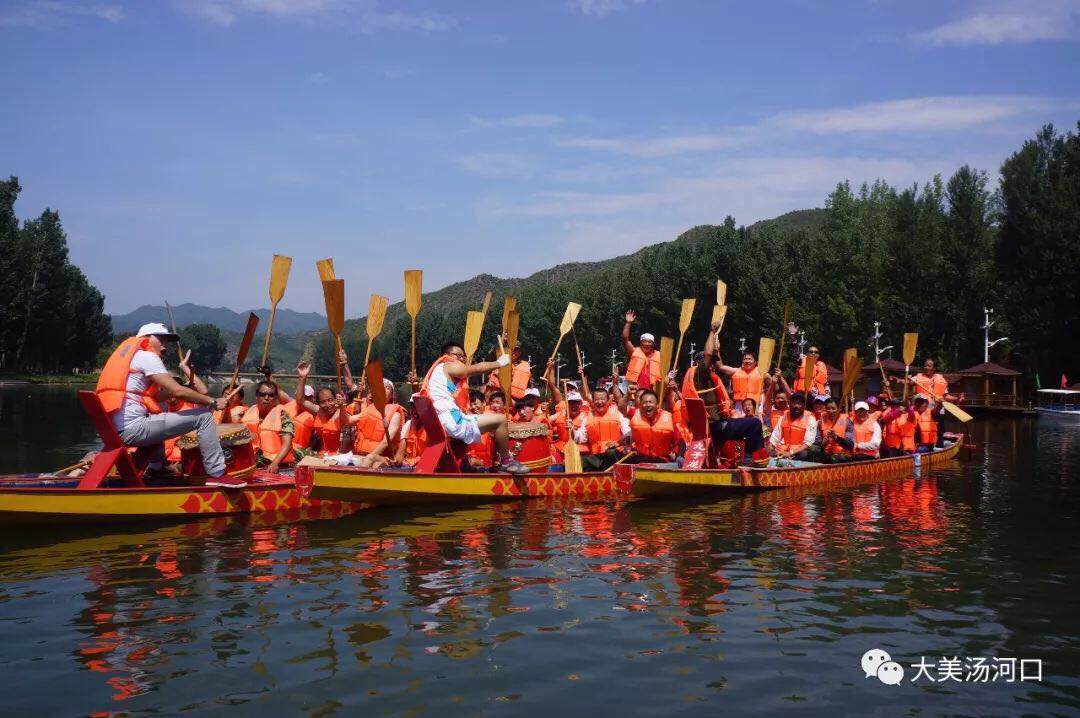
(643, 368)
(129, 388)
(443, 385)
(935, 388)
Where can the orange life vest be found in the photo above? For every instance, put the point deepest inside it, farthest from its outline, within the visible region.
(412, 443)
(519, 379)
(775, 415)
(793, 431)
(560, 436)
(927, 426)
(605, 431)
(747, 385)
(461, 395)
(389, 412)
(821, 378)
(329, 431)
(864, 432)
(266, 432)
(112, 383)
(839, 427)
(303, 424)
(656, 438)
(236, 415)
(935, 387)
(484, 450)
(900, 433)
(369, 430)
(689, 391)
(638, 361)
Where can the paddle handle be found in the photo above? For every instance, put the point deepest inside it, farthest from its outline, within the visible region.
(884, 379)
(556, 349)
(632, 453)
(907, 370)
(269, 333)
(412, 346)
(337, 362)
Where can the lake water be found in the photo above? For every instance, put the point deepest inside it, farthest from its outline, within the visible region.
(760, 605)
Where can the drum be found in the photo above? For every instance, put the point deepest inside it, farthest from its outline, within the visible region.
(235, 442)
(530, 443)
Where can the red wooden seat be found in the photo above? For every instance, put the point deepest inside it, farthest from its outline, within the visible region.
(114, 453)
(441, 455)
(698, 449)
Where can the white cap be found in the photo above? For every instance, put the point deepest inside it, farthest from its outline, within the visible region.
(309, 390)
(532, 391)
(573, 396)
(155, 329)
(862, 405)
(388, 384)
(646, 337)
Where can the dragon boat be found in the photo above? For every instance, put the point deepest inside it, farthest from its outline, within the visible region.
(116, 487)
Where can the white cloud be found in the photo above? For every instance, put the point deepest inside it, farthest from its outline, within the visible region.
(44, 14)
(534, 120)
(397, 73)
(369, 15)
(496, 164)
(655, 146)
(1009, 23)
(319, 78)
(603, 8)
(914, 114)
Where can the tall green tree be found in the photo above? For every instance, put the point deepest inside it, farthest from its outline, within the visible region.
(206, 344)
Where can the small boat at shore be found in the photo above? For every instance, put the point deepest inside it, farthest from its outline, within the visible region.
(1059, 402)
(30, 499)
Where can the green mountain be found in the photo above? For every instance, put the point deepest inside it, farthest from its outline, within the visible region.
(287, 321)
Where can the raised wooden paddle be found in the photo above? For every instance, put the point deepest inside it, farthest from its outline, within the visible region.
(667, 345)
(509, 305)
(719, 312)
(414, 280)
(852, 370)
(685, 317)
(279, 277)
(334, 298)
(957, 411)
(245, 345)
(325, 267)
(783, 333)
(766, 347)
(506, 373)
(487, 304)
(571, 456)
(569, 317)
(911, 342)
(809, 363)
(721, 293)
(474, 325)
(375, 317)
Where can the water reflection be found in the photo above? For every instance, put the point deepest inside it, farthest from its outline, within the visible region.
(763, 603)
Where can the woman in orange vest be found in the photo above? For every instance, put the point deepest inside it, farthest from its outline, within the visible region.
(837, 433)
(819, 386)
(794, 435)
(899, 425)
(926, 426)
(654, 436)
(606, 431)
(747, 382)
(271, 427)
(643, 367)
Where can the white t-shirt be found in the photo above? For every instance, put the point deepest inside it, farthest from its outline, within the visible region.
(143, 366)
(441, 389)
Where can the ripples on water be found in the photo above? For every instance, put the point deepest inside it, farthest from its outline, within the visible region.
(763, 604)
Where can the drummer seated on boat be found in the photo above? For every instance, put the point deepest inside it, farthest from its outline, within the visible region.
(129, 387)
(794, 435)
(606, 431)
(442, 385)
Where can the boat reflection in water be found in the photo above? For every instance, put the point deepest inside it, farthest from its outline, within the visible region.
(752, 602)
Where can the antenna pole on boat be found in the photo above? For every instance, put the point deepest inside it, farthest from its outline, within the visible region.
(742, 345)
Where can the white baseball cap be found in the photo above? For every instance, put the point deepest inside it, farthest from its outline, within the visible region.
(646, 337)
(862, 405)
(388, 384)
(573, 396)
(532, 391)
(156, 329)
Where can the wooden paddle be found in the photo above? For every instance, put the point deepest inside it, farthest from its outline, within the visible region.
(852, 370)
(179, 349)
(325, 267)
(719, 313)
(685, 317)
(509, 305)
(245, 344)
(279, 276)
(957, 411)
(567, 324)
(667, 345)
(911, 342)
(783, 333)
(486, 305)
(334, 298)
(510, 328)
(414, 280)
(474, 325)
(721, 293)
(766, 347)
(809, 362)
(572, 456)
(375, 317)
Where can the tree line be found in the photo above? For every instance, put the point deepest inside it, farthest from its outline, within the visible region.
(926, 258)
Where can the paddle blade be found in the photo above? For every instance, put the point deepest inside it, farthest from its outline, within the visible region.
(571, 457)
(474, 324)
(509, 305)
(249, 334)
(667, 348)
(325, 268)
(719, 312)
(376, 315)
(852, 370)
(414, 280)
(569, 317)
(374, 375)
(334, 297)
(957, 411)
(279, 276)
(911, 341)
(513, 323)
(487, 304)
(766, 347)
(721, 292)
(809, 362)
(686, 314)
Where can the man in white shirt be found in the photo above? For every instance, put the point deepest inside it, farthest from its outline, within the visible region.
(130, 384)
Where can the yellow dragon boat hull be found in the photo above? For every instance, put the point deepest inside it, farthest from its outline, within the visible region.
(652, 480)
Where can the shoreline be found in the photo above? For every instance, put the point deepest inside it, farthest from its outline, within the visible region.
(23, 380)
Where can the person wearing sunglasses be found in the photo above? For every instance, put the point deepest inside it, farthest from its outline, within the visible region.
(271, 427)
(819, 385)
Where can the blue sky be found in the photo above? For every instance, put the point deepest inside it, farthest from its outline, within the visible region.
(186, 141)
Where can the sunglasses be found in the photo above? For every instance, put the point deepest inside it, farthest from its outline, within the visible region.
(265, 395)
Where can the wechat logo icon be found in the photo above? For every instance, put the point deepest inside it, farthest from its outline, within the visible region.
(877, 663)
